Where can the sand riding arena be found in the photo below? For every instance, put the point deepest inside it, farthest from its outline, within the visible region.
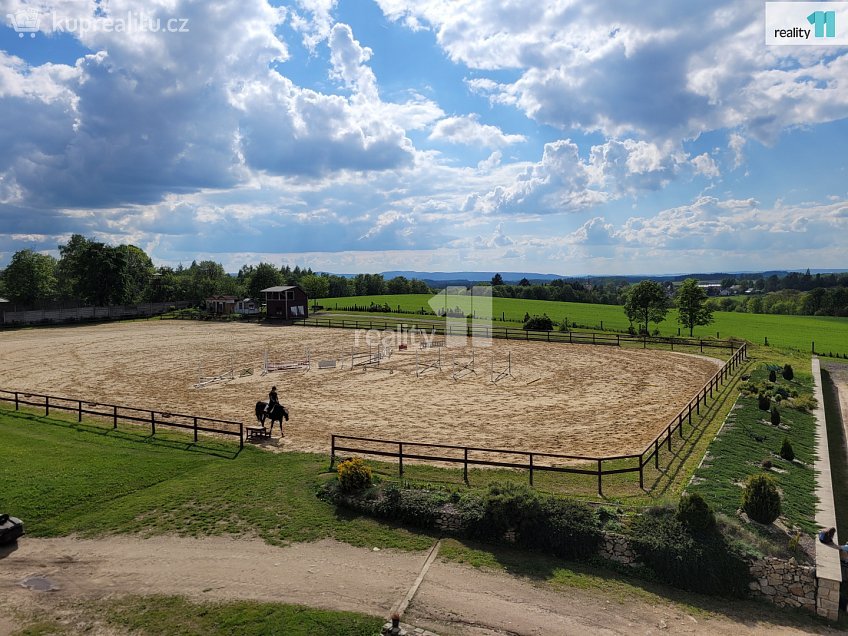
(558, 398)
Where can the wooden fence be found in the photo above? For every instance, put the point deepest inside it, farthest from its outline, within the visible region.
(529, 460)
(508, 333)
(115, 413)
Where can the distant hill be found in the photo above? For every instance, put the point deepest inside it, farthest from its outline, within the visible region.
(443, 279)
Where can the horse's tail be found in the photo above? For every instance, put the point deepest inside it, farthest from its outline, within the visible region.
(260, 409)
(285, 412)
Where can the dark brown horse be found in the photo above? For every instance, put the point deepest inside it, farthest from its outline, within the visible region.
(277, 414)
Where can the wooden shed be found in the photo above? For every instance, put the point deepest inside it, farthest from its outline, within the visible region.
(289, 302)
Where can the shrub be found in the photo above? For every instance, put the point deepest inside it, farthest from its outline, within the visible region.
(354, 474)
(760, 499)
(775, 416)
(766, 464)
(563, 326)
(764, 402)
(804, 402)
(772, 376)
(786, 450)
(539, 323)
(704, 563)
(695, 513)
(788, 373)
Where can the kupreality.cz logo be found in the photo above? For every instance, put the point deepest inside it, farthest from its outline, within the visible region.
(807, 23)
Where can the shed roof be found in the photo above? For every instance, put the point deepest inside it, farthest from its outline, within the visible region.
(3, 300)
(280, 288)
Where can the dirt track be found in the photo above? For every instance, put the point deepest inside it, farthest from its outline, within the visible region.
(573, 399)
(453, 599)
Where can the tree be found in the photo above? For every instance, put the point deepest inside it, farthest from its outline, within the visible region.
(261, 277)
(315, 286)
(691, 308)
(524, 282)
(646, 302)
(497, 279)
(139, 271)
(30, 278)
(398, 285)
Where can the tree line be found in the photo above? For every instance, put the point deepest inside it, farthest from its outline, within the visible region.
(89, 272)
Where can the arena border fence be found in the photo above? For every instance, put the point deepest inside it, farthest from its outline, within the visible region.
(117, 413)
(339, 443)
(509, 333)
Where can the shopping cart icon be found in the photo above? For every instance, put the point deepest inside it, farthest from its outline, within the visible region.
(25, 22)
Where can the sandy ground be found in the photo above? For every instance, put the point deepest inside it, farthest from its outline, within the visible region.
(573, 399)
(453, 599)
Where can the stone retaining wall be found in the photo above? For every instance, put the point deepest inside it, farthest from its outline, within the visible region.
(784, 583)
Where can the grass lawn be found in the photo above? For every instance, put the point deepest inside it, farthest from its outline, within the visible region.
(748, 438)
(797, 332)
(177, 616)
(66, 478)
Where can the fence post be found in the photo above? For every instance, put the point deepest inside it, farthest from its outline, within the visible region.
(332, 450)
(690, 412)
(531, 468)
(668, 434)
(657, 453)
(600, 485)
(400, 458)
(702, 346)
(241, 434)
(641, 472)
(79, 411)
(46, 405)
(153, 422)
(680, 426)
(698, 403)
(16, 400)
(465, 467)
(114, 417)
(195, 430)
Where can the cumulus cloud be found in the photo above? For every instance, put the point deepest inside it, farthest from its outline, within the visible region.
(705, 165)
(469, 131)
(668, 71)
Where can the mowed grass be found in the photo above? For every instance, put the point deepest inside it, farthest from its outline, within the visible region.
(797, 332)
(65, 478)
(178, 616)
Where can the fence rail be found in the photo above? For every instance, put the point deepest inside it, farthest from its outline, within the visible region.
(116, 413)
(530, 459)
(508, 333)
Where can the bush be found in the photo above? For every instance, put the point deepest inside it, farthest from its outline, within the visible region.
(804, 403)
(766, 464)
(354, 475)
(788, 373)
(702, 562)
(764, 402)
(772, 376)
(786, 450)
(775, 415)
(539, 323)
(695, 513)
(760, 499)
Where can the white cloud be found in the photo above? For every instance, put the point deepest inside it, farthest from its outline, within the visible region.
(668, 71)
(736, 144)
(469, 131)
(706, 166)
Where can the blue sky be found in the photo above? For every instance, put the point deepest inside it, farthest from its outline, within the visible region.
(369, 135)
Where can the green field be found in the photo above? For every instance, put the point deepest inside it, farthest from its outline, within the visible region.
(796, 332)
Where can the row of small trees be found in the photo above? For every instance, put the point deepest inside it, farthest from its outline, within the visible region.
(648, 302)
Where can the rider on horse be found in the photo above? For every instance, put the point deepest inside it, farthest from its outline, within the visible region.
(272, 400)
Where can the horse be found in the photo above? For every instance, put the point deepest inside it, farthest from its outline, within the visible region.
(277, 414)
